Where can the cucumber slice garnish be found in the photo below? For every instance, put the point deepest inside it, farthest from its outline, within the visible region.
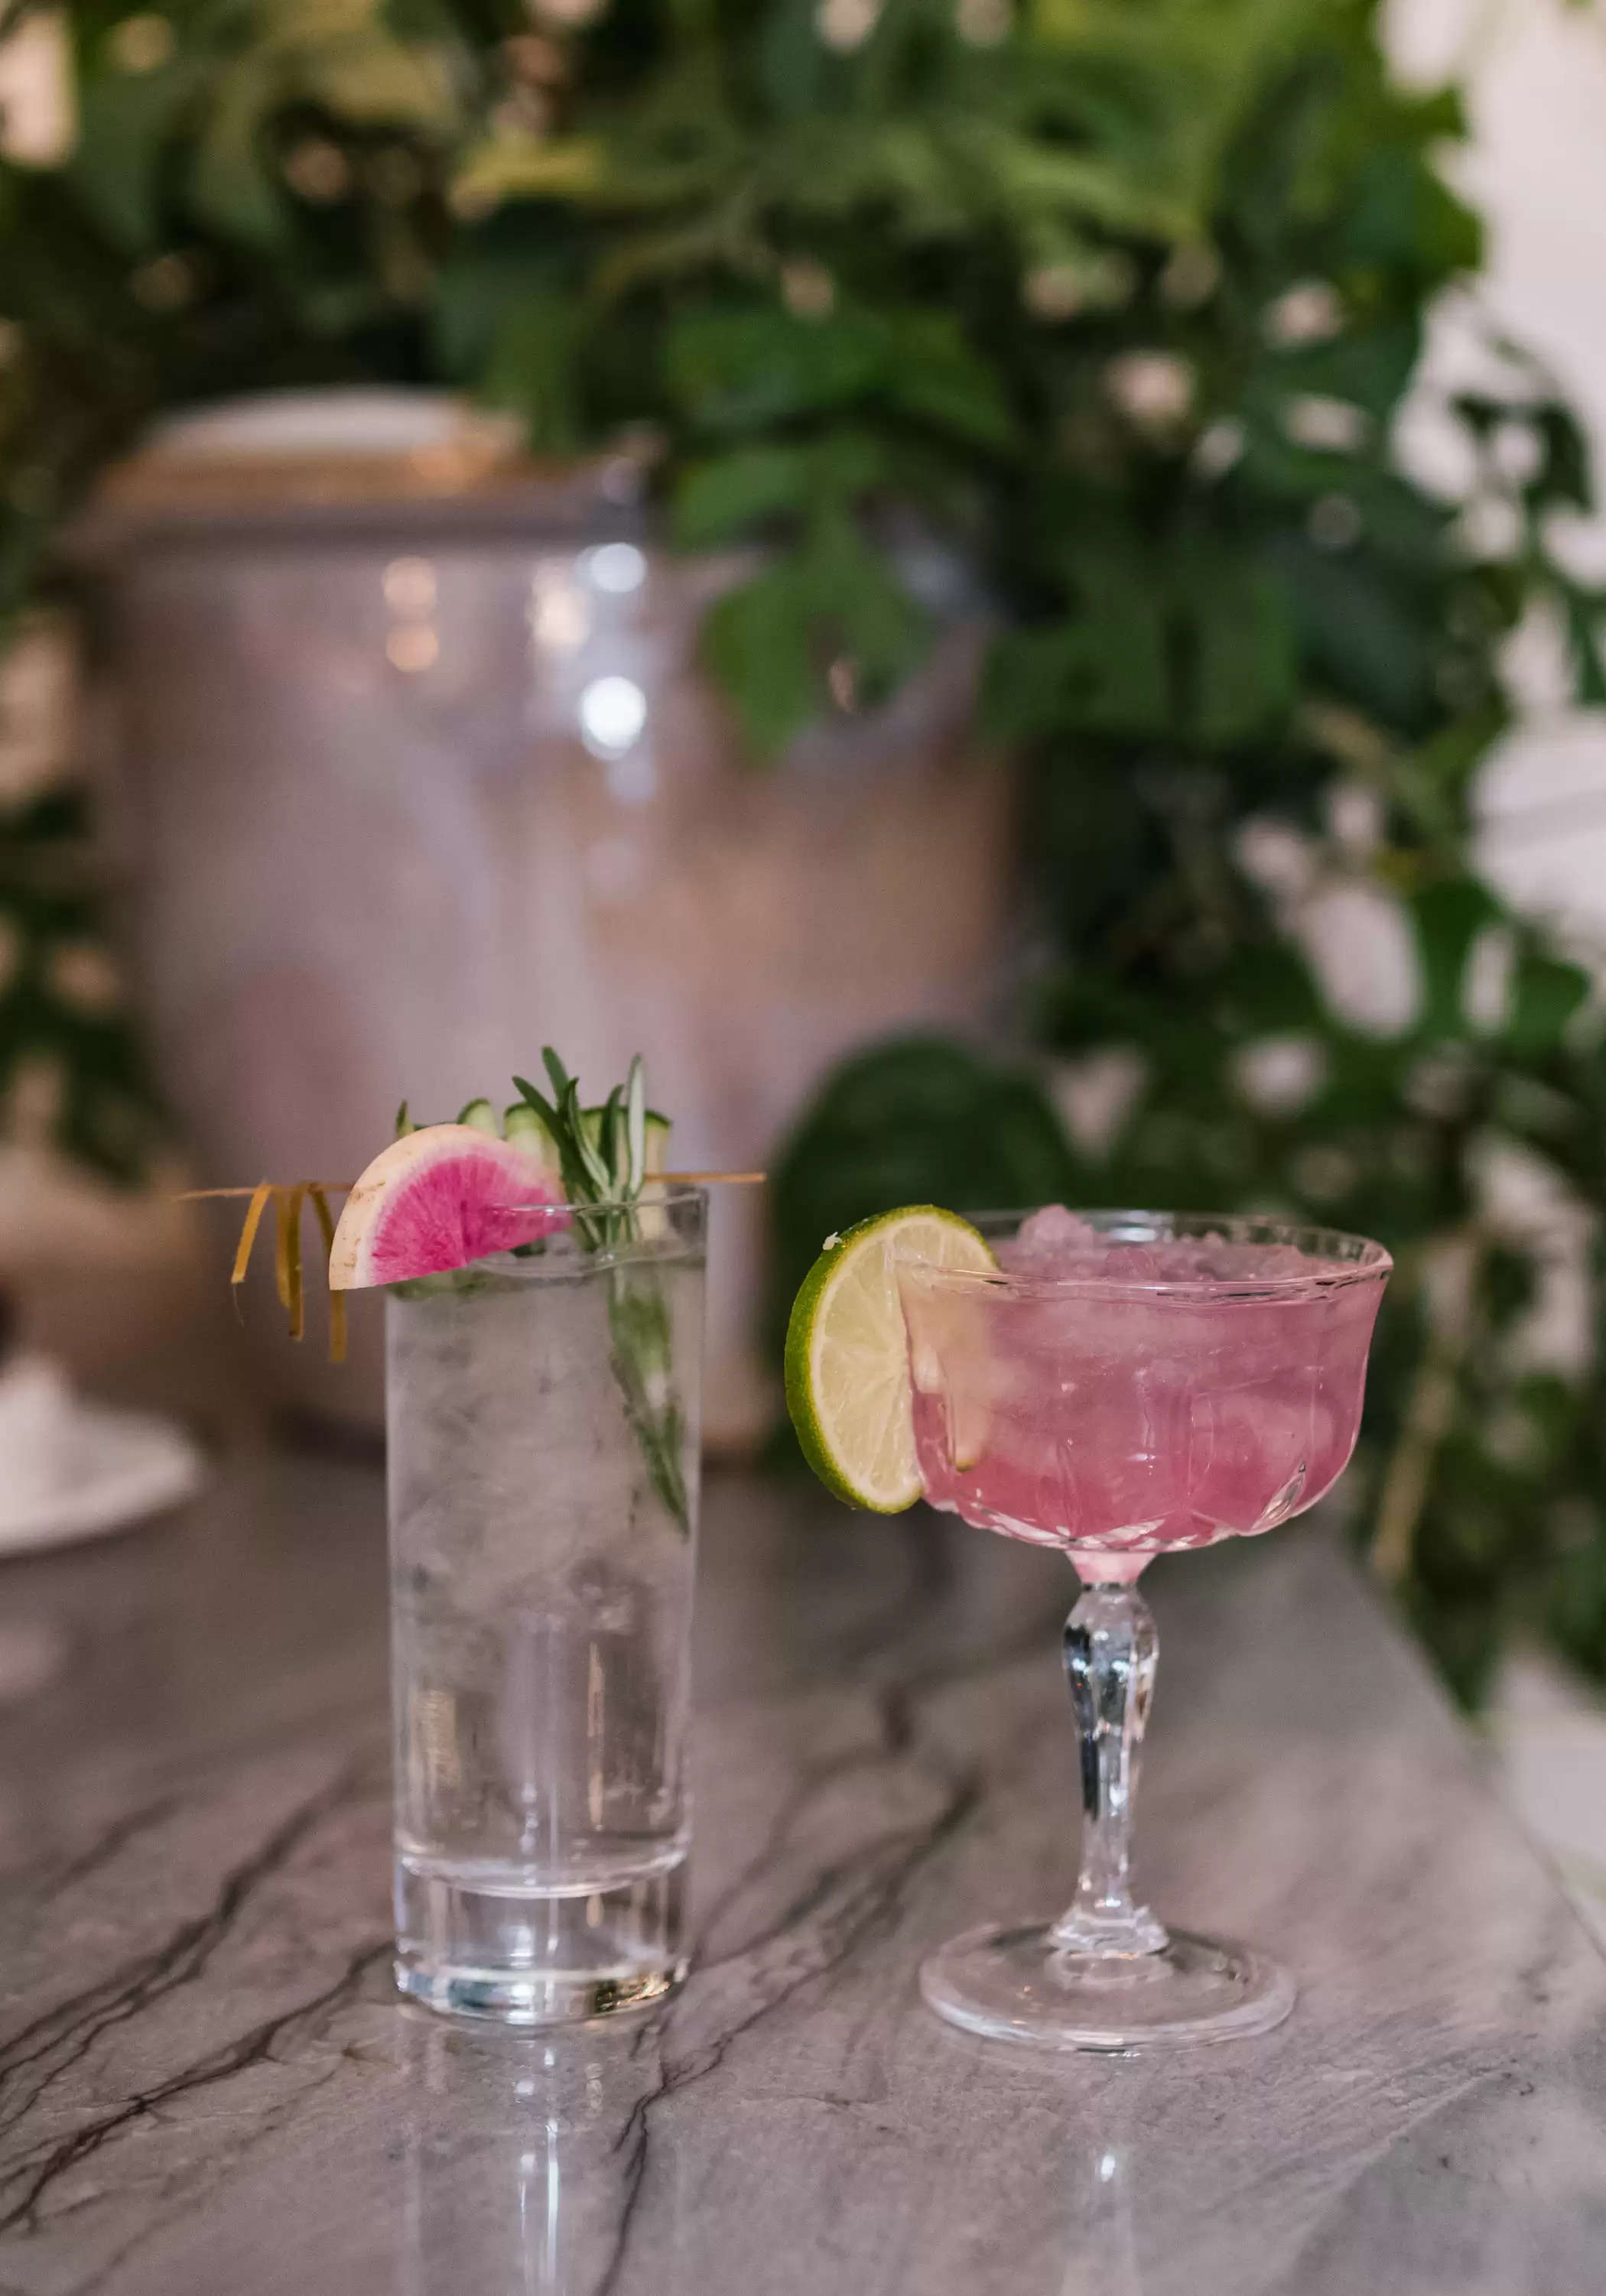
(527, 1127)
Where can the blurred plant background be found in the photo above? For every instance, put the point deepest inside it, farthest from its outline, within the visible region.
(1124, 297)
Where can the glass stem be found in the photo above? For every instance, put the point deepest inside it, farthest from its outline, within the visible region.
(1110, 1649)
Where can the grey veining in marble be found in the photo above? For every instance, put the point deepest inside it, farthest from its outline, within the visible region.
(206, 2088)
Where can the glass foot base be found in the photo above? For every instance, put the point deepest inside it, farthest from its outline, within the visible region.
(477, 1939)
(1012, 1984)
(533, 1998)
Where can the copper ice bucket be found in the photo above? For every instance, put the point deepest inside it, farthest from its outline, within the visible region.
(415, 770)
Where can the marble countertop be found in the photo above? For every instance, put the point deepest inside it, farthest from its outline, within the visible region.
(207, 2089)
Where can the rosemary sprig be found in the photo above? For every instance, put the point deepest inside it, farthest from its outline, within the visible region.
(604, 1167)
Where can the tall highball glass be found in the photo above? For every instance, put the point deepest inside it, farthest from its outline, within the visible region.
(543, 1416)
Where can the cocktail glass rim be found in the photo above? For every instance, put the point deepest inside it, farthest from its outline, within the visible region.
(1359, 1259)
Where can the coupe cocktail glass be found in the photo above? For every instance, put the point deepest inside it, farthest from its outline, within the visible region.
(1128, 1384)
(543, 1417)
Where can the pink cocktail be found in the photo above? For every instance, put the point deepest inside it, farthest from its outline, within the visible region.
(1128, 1384)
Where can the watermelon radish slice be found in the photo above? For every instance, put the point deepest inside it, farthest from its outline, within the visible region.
(439, 1198)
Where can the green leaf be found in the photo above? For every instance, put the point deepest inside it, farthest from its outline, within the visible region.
(1546, 991)
(1447, 919)
(129, 120)
(545, 1109)
(832, 602)
(534, 368)
(738, 370)
(1442, 770)
(519, 166)
(1584, 620)
(481, 280)
(730, 494)
(1563, 475)
(1362, 634)
(860, 610)
(364, 75)
(916, 1120)
(1402, 215)
(1104, 669)
(1242, 660)
(1025, 690)
(230, 185)
(1367, 366)
(1036, 175)
(793, 58)
(635, 1102)
(756, 643)
(934, 375)
(610, 1140)
(1270, 990)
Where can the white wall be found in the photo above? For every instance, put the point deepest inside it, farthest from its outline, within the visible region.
(1536, 76)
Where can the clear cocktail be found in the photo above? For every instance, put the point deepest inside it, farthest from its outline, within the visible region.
(1118, 1386)
(543, 1417)
(544, 1328)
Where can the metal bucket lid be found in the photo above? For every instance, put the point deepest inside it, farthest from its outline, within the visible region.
(306, 464)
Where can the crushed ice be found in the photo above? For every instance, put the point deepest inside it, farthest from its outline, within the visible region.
(1055, 1245)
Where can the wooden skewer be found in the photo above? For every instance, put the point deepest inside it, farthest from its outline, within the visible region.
(344, 1187)
(288, 1198)
(200, 1195)
(718, 1179)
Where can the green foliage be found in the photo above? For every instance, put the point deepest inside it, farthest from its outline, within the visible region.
(918, 1121)
(1121, 296)
(62, 1038)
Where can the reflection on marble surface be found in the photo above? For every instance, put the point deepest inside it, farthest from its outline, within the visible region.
(1103, 2259)
(207, 2088)
(518, 2153)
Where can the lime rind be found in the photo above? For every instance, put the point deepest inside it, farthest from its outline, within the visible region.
(847, 1358)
